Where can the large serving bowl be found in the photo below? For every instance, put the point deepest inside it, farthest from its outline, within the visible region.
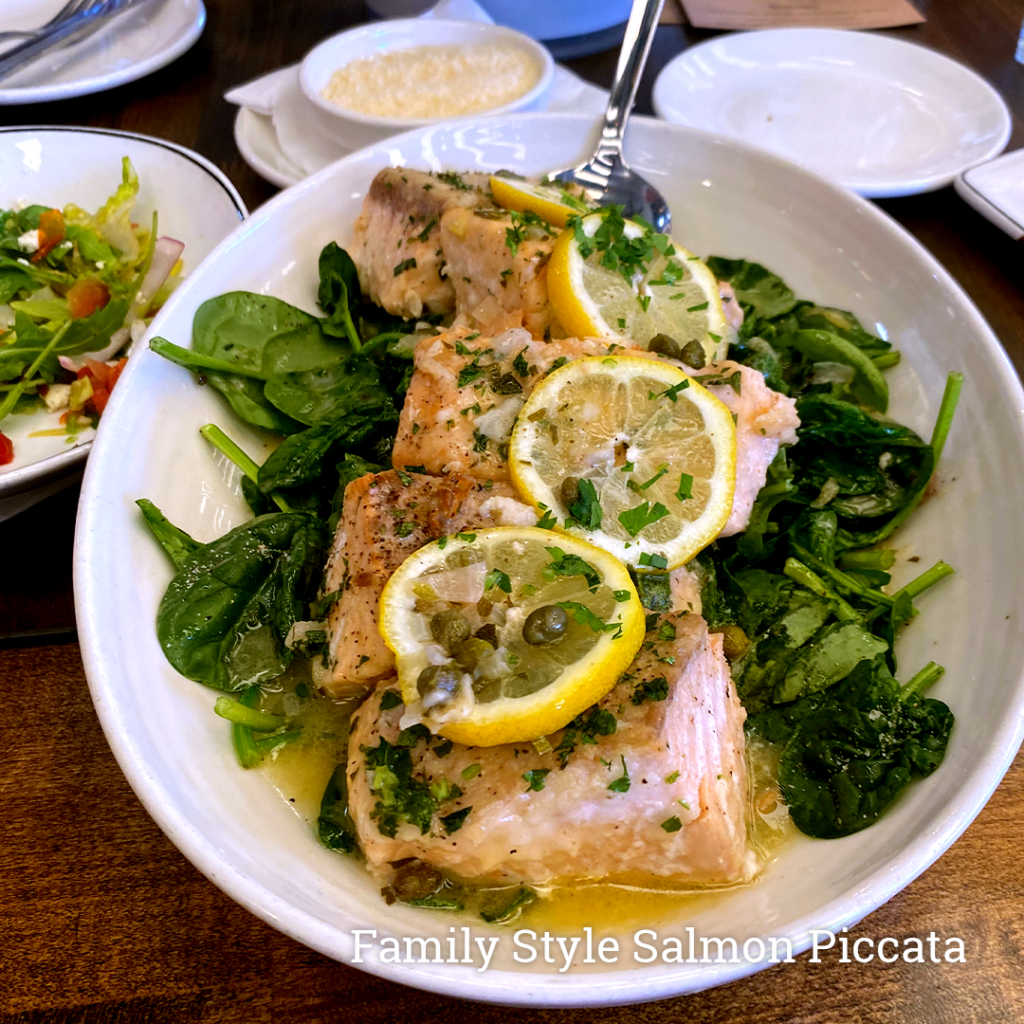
(726, 199)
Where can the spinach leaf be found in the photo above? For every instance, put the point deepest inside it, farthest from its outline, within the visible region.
(300, 460)
(338, 292)
(349, 387)
(827, 659)
(758, 290)
(225, 615)
(261, 336)
(334, 825)
(848, 758)
(868, 387)
(177, 543)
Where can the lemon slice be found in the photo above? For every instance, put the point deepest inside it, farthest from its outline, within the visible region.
(630, 453)
(551, 202)
(507, 634)
(667, 291)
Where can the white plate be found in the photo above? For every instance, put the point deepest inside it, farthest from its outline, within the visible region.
(132, 44)
(286, 139)
(880, 116)
(996, 191)
(735, 200)
(195, 202)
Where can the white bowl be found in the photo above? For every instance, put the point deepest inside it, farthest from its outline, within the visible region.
(388, 36)
(728, 199)
(196, 204)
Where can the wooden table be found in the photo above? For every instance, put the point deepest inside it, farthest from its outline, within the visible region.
(101, 919)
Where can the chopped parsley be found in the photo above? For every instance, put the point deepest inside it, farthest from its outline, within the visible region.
(670, 393)
(471, 771)
(672, 824)
(635, 520)
(443, 749)
(431, 224)
(666, 631)
(389, 699)
(622, 595)
(662, 470)
(548, 521)
(454, 180)
(404, 528)
(734, 380)
(585, 728)
(585, 617)
(650, 689)
(621, 784)
(655, 561)
(401, 798)
(409, 264)
(454, 821)
(685, 490)
(672, 778)
(520, 365)
(696, 309)
(499, 579)
(535, 779)
(586, 511)
(571, 565)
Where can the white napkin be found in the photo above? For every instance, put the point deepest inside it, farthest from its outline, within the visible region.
(309, 144)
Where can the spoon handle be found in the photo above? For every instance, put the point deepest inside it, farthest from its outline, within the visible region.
(643, 19)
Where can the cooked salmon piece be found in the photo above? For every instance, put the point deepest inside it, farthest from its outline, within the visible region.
(730, 305)
(765, 420)
(540, 818)
(385, 518)
(396, 243)
(498, 268)
(465, 393)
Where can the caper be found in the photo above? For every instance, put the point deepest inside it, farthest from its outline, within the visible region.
(450, 628)
(735, 642)
(569, 491)
(471, 652)
(416, 881)
(489, 632)
(664, 345)
(545, 625)
(693, 355)
(440, 682)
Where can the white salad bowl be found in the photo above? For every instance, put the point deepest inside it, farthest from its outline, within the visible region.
(726, 199)
(379, 37)
(195, 203)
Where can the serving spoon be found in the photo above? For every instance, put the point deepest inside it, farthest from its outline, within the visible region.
(605, 177)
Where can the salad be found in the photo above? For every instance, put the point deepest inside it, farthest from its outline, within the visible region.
(76, 289)
(679, 513)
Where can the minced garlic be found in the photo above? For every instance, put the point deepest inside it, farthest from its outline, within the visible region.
(434, 81)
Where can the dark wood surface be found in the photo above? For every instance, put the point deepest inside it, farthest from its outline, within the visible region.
(102, 920)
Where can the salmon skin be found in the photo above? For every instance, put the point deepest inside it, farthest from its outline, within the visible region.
(385, 518)
(650, 782)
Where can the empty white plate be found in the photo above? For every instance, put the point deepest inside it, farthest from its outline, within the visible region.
(880, 116)
(130, 45)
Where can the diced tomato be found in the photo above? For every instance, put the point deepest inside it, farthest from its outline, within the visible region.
(87, 296)
(103, 379)
(115, 373)
(6, 450)
(51, 234)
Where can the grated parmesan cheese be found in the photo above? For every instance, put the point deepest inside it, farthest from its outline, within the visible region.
(433, 81)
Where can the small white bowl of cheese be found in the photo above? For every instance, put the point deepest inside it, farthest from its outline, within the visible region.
(391, 76)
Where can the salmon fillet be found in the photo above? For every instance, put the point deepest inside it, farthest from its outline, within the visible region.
(396, 240)
(498, 268)
(765, 420)
(385, 518)
(465, 393)
(678, 735)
